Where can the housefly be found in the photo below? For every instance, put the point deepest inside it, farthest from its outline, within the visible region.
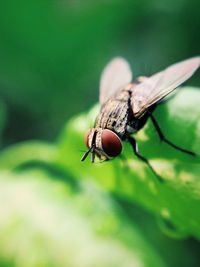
(126, 106)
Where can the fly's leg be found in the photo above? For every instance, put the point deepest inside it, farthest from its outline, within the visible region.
(164, 139)
(134, 145)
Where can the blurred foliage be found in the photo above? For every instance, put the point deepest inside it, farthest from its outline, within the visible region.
(55, 214)
(57, 211)
(47, 223)
(52, 53)
(177, 198)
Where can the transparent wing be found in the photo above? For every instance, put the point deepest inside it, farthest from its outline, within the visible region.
(161, 84)
(115, 75)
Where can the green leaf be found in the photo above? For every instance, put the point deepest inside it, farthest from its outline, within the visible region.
(177, 199)
(45, 224)
(29, 151)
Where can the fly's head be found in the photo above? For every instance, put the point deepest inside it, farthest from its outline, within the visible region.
(103, 143)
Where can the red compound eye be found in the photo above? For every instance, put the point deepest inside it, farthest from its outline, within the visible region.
(111, 143)
(87, 137)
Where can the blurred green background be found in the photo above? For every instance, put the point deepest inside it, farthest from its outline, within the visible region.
(52, 53)
(51, 56)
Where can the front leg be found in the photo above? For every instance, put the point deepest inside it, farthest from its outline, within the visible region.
(164, 139)
(134, 145)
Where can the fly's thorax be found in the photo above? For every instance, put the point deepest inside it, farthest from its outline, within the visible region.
(114, 114)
